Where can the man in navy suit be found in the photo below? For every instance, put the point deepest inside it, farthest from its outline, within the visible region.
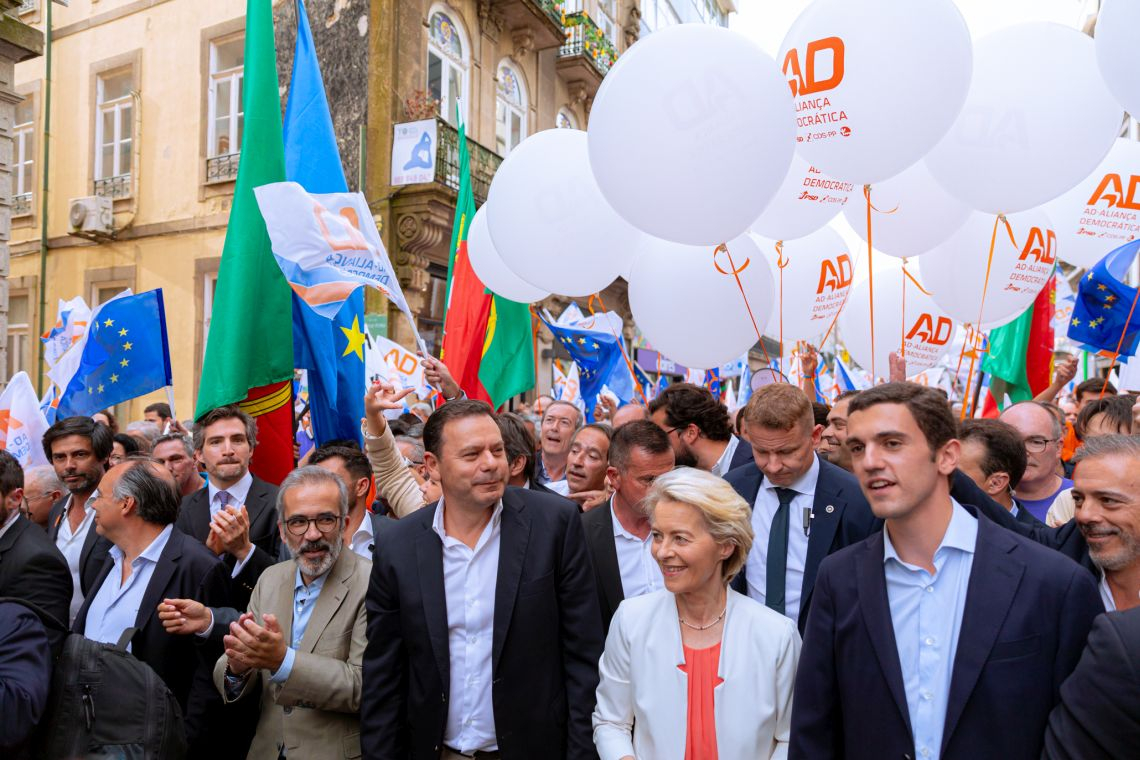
(483, 626)
(803, 507)
(941, 636)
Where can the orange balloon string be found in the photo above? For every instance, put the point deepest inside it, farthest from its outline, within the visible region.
(535, 326)
(780, 264)
(998, 220)
(870, 278)
(621, 347)
(736, 273)
(1120, 343)
(902, 332)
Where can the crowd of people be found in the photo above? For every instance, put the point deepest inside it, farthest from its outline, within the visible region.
(871, 579)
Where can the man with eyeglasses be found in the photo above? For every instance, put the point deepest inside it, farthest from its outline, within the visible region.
(303, 638)
(1042, 434)
(559, 423)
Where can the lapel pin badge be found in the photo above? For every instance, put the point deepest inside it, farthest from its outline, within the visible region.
(829, 509)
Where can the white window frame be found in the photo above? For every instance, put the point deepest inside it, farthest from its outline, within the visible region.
(606, 22)
(20, 154)
(235, 77)
(116, 106)
(508, 109)
(209, 283)
(19, 337)
(570, 117)
(449, 66)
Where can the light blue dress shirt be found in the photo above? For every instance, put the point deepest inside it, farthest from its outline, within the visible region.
(115, 607)
(926, 612)
(304, 600)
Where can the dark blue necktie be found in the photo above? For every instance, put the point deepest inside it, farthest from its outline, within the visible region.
(775, 579)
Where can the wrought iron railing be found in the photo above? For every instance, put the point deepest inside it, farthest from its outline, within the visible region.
(584, 38)
(222, 168)
(22, 204)
(552, 8)
(484, 163)
(27, 6)
(114, 187)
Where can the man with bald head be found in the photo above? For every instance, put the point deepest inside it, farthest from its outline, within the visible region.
(1042, 435)
(149, 560)
(629, 413)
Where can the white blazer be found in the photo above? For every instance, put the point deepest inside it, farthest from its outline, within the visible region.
(642, 708)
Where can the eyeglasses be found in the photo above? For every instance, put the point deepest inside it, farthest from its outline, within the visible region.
(1037, 444)
(299, 526)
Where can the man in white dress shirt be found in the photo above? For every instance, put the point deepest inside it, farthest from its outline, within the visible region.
(699, 429)
(78, 449)
(351, 466)
(483, 626)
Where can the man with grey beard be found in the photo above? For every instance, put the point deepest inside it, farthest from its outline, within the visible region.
(1106, 493)
(303, 637)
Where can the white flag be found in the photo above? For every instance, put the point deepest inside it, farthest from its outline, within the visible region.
(70, 325)
(22, 424)
(387, 360)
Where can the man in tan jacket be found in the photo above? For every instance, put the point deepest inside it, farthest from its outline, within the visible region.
(303, 637)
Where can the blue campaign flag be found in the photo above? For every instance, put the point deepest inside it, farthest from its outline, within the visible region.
(332, 350)
(596, 353)
(1101, 312)
(745, 391)
(712, 382)
(123, 355)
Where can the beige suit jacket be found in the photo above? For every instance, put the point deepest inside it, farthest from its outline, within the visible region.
(315, 714)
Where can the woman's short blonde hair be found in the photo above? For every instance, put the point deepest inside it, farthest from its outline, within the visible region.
(726, 515)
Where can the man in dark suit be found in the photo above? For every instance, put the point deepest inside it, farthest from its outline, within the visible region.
(942, 635)
(31, 568)
(1098, 717)
(993, 456)
(470, 598)
(235, 515)
(152, 560)
(361, 527)
(78, 448)
(699, 429)
(25, 673)
(618, 532)
(803, 507)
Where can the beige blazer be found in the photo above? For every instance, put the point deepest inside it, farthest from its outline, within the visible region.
(393, 481)
(315, 714)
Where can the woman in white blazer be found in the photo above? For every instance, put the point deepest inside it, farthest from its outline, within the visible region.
(696, 671)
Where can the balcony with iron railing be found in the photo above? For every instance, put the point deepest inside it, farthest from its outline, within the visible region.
(484, 162)
(21, 205)
(586, 48)
(114, 188)
(535, 24)
(222, 168)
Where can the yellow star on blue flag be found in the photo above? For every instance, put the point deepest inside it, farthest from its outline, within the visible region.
(355, 339)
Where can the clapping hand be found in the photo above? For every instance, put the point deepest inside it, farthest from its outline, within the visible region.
(251, 646)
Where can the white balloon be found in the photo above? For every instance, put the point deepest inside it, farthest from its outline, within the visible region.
(688, 305)
(817, 276)
(1101, 213)
(928, 330)
(1116, 28)
(956, 270)
(691, 133)
(550, 223)
(921, 213)
(489, 266)
(1037, 120)
(807, 200)
(876, 82)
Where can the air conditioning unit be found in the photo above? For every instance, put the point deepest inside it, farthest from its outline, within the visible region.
(92, 215)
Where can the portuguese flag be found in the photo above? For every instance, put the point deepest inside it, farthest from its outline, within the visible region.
(249, 351)
(1020, 359)
(486, 338)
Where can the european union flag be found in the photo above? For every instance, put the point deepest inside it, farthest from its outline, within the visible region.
(331, 350)
(1101, 313)
(124, 355)
(596, 354)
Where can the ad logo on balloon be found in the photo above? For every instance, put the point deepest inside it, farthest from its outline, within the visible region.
(1111, 189)
(927, 330)
(1036, 246)
(834, 275)
(806, 80)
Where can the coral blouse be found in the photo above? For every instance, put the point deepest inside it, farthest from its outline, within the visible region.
(701, 666)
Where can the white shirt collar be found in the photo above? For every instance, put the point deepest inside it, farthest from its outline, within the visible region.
(437, 524)
(9, 522)
(1106, 594)
(88, 506)
(806, 483)
(722, 464)
(238, 492)
(365, 529)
